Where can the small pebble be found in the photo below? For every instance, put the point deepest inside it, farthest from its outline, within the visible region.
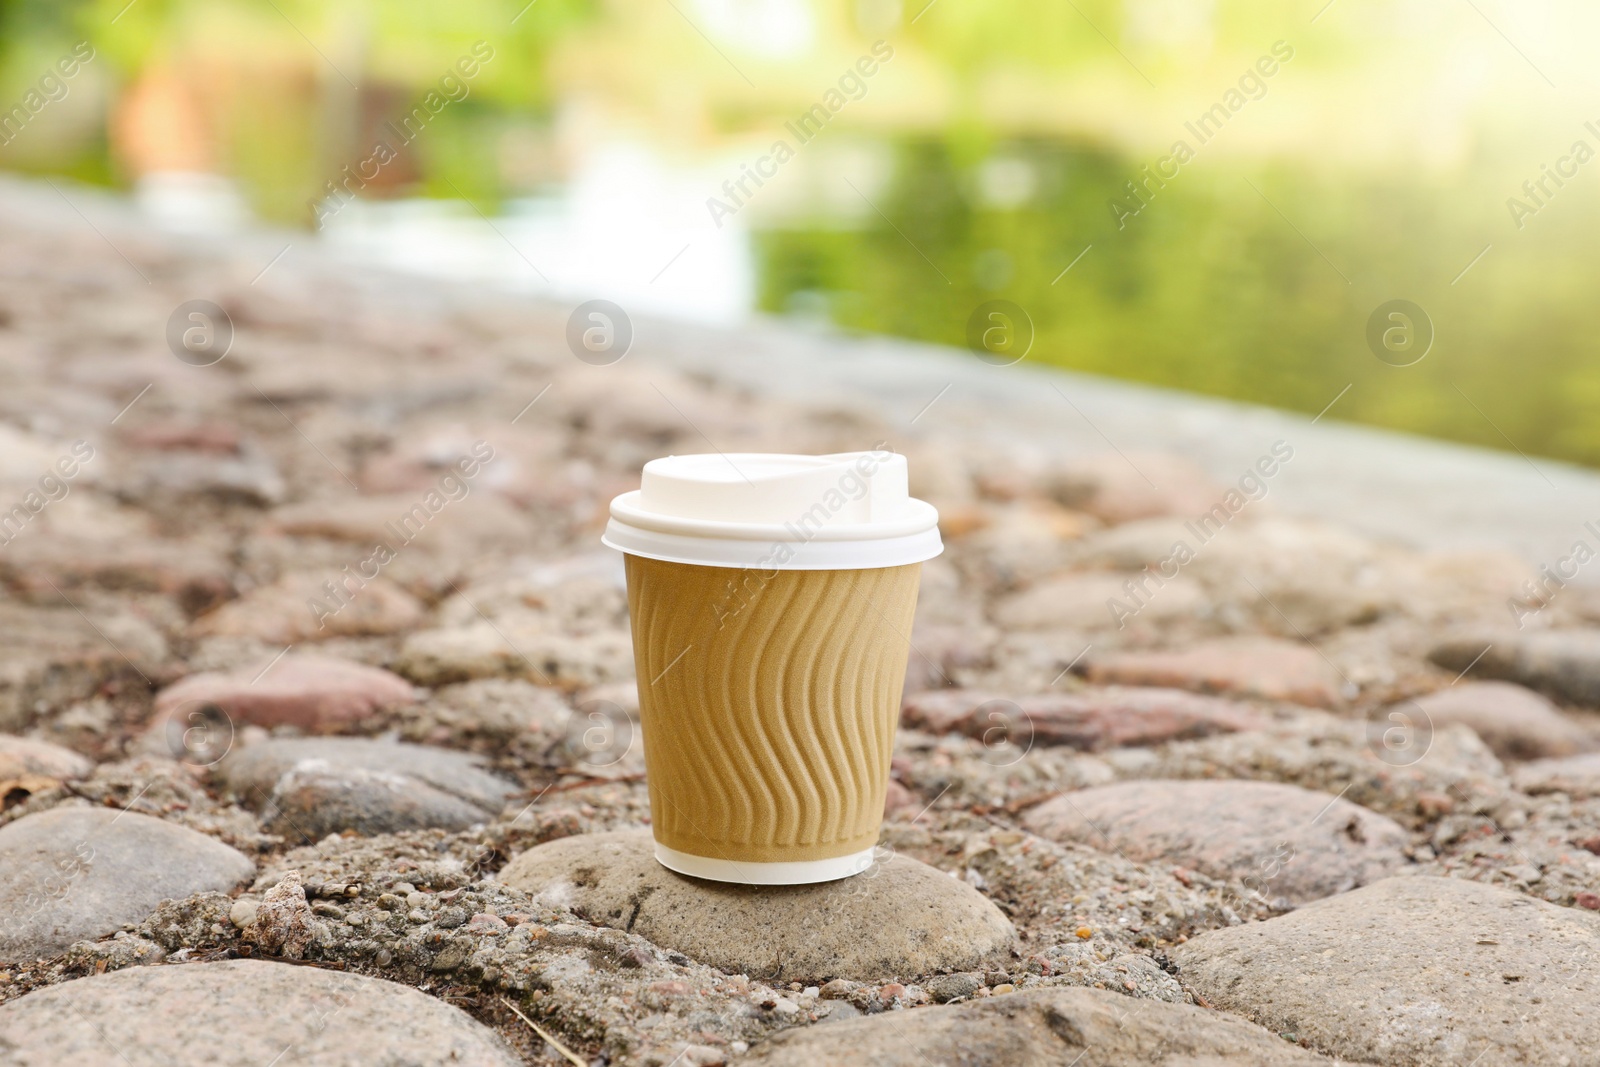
(486, 923)
(243, 912)
(284, 925)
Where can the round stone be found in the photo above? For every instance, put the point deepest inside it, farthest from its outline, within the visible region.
(1085, 602)
(1091, 719)
(1241, 666)
(24, 756)
(1414, 971)
(1060, 1026)
(314, 786)
(1287, 844)
(1577, 776)
(314, 692)
(1516, 723)
(1563, 663)
(900, 918)
(72, 873)
(298, 607)
(241, 1013)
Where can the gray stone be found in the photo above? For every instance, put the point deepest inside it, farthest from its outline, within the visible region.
(900, 918)
(1378, 763)
(1287, 844)
(311, 787)
(1577, 776)
(53, 656)
(123, 950)
(72, 873)
(1037, 1028)
(1117, 488)
(241, 1013)
(1563, 663)
(192, 922)
(1414, 971)
(249, 477)
(1516, 723)
(298, 608)
(1132, 546)
(947, 987)
(1295, 577)
(516, 647)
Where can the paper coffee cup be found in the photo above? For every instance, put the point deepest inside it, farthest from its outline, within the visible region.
(771, 598)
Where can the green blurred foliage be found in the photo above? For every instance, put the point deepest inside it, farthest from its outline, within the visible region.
(1210, 289)
(296, 79)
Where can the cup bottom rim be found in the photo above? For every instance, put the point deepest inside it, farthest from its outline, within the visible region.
(786, 872)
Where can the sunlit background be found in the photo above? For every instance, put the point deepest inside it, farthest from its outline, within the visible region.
(1335, 156)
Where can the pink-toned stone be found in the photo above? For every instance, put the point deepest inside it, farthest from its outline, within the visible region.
(20, 756)
(1516, 723)
(429, 520)
(525, 462)
(1284, 843)
(316, 693)
(1118, 488)
(898, 798)
(299, 607)
(218, 437)
(487, 923)
(943, 711)
(1258, 667)
(944, 650)
(1085, 602)
(1577, 776)
(284, 924)
(1093, 719)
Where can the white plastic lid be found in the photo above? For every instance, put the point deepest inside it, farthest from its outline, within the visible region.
(847, 511)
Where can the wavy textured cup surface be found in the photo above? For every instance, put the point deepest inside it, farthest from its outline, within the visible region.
(769, 701)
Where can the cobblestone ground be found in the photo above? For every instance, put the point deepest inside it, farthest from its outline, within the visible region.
(314, 678)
